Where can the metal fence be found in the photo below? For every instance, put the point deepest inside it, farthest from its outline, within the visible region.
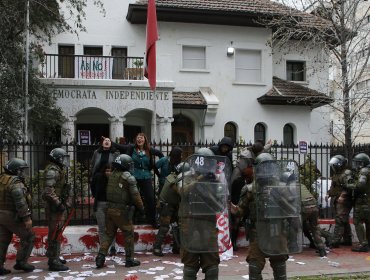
(315, 171)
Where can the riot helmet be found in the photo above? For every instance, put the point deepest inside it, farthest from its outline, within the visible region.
(360, 160)
(182, 167)
(124, 163)
(17, 167)
(266, 169)
(338, 163)
(205, 152)
(60, 157)
(204, 162)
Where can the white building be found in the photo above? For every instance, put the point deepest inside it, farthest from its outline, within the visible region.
(203, 92)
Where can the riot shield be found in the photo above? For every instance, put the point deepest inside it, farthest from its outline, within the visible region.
(204, 194)
(278, 203)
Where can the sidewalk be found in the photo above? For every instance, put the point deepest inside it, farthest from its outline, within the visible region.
(82, 266)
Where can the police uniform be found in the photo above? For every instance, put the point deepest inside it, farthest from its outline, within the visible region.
(204, 238)
(361, 213)
(310, 216)
(122, 198)
(15, 201)
(57, 197)
(256, 258)
(342, 205)
(169, 200)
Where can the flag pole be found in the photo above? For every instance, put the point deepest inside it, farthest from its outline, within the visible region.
(154, 116)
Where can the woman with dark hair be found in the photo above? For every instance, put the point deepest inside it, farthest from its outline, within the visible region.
(167, 165)
(101, 163)
(143, 156)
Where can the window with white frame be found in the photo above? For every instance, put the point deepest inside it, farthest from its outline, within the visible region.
(296, 71)
(194, 57)
(248, 66)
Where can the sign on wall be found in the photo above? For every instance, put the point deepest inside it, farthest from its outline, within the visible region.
(84, 137)
(93, 67)
(303, 147)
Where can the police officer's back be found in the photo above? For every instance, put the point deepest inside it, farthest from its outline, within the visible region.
(122, 198)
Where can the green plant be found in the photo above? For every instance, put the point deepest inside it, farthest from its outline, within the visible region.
(138, 63)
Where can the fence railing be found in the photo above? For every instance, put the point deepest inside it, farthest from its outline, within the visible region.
(91, 67)
(315, 171)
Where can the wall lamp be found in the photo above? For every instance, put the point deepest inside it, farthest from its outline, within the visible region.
(230, 49)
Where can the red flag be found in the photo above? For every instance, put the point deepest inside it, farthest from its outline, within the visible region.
(151, 38)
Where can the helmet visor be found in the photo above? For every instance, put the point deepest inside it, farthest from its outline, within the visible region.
(23, 172)
(357, 164)
(66, 160)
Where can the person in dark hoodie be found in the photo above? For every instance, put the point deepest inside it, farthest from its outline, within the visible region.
(101, 162)
(224, 148)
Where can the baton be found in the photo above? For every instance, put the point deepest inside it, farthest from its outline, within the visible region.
(65, 224)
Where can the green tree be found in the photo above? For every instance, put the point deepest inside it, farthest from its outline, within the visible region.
(46, 20)
(340, 29)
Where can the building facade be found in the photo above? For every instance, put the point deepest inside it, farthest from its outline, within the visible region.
(216, 76)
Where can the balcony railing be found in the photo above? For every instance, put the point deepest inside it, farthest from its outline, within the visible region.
(92, 67)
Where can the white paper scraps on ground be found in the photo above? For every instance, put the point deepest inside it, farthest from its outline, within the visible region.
(32, 277)
(144, 262)
(110, 271)
(157, 268)
(177, 271)
(300, 263)
(132, 271)
(223, 264)
(150, 272)
(86, 265)
(74, 272)
(244, 262)
(178, 277)
(245, 276)
(37, 270)
(36, 262)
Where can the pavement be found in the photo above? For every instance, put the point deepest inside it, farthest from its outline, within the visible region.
(82, 266)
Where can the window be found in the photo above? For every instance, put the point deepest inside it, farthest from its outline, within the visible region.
(295, 71)
(260, 132)
(288, 135)
(193, 57)
(248, 66)
(66, 64)
(230, 131)
(119, 62)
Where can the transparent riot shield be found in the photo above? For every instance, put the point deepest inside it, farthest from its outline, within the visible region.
(278, 203)
(204, 194)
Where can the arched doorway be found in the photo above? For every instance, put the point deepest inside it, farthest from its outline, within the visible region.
(94, 120)
(183, 133)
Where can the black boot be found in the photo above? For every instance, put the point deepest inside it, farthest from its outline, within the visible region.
(62, 261)
(21, 265)
(4, 271)
(132, 262)
(363, 248)
(322, 252)
(100, 260)
(157, 251)
(56, 265)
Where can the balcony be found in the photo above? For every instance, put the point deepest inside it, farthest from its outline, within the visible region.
(91, 67)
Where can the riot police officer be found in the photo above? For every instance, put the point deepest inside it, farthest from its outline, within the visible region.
(57, 195)
(15, 215)
(310, 217)
(203, 195)
(361, 213)
(273, 207)
(342, 197)
(169, 200)
(122, 198)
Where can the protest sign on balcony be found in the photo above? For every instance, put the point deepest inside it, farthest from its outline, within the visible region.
(94, 67)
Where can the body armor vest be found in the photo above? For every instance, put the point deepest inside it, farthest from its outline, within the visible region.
(59, 185)
(6, 201)
(117, 189)
(169, 193)
(308, 200)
